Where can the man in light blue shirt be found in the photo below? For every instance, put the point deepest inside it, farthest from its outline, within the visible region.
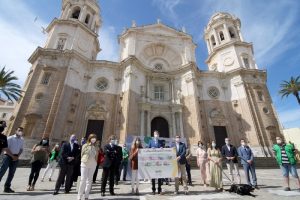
(11, 157)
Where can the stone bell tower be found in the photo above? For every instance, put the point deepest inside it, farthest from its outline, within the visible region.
(77, 28)
(226, 47)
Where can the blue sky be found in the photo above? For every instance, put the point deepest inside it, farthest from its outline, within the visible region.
(273, 26)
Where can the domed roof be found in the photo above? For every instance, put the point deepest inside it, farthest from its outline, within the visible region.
(222, 15)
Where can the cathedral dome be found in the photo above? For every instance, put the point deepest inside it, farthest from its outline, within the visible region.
(219, 16)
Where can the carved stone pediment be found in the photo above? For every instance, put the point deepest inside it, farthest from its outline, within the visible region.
(97, 111)
(217, 117)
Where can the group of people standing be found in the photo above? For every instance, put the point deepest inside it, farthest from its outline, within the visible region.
(88, 156)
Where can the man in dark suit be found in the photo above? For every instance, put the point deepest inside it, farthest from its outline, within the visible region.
(181, 161)
(118, 161)
(247, 160)
(156, 143)
(109, 166)
(69, 151)
(230, 155)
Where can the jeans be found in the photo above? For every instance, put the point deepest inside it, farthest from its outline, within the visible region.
(51, 165)
(250, 168)
(124, 168)
(286, 168)
(12, 165)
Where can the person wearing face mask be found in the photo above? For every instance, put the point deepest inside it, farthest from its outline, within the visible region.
(89, 156)
(156, 143)
(230, 154)
(247, 160)
(109, 166)
(201, 162)
(124, 164)
(285, 157)
(69, 151)
(215, 162)
(52, 162)
(11, 156)
(3, 138)
(181, 160)
(40, 154)
(118, 162)
(136, 145)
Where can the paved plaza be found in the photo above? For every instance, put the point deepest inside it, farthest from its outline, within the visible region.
(270, 182)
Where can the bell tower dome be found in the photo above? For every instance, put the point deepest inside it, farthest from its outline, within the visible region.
(227, 49)
(77, 28)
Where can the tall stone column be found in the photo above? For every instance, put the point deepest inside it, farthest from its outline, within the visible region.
(226, 32)
(142, 123)
(240, 34)
(174, 124)
(208, 46)
(148, 124)
(82, 14)
(216, 36)
(181, 124)
(66, 12)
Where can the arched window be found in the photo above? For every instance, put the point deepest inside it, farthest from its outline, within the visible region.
(222, 36)
(76, 13)
(87, 19)
(213, 41)
(231, 32)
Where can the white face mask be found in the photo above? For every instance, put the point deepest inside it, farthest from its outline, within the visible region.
(227, 142)
(137, 142)
(177, 140)
(57, 146)
(112, 141)
(155, 136)
(93, 140)
(213, 145)
(278, 141)
(243, 143)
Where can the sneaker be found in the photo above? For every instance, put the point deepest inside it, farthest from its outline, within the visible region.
(8, 190)
(186, 192)
(176, 193)
(50, 179)
(28, 188)
(287, 189)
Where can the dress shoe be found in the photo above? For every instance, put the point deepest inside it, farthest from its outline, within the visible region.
(102, 194)
(8, 190)
(55, 193)
(112, 194)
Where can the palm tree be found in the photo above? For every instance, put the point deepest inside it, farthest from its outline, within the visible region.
(7, 87)
(291, 87)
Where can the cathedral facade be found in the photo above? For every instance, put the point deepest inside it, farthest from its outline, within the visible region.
(156, 85)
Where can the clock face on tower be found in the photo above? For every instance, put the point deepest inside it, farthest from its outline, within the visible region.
(228, 61)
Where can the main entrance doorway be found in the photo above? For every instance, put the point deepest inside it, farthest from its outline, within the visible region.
(220, 135)
(96, 127)
(161, 125)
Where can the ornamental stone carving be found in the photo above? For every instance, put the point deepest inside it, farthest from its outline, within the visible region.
(97, 111)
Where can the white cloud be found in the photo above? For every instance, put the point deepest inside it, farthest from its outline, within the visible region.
(167, 7)
(20, 35)
(108, 44)
(270, 26)
(289, 117)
